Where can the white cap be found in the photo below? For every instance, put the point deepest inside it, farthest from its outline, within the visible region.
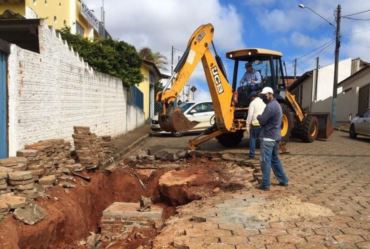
(267, 90)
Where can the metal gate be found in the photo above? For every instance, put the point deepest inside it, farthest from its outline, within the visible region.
(3, 108)
(363, 99)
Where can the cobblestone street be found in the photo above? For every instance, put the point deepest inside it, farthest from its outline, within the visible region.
(332, 174)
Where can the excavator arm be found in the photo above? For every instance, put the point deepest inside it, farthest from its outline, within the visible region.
(198, 49)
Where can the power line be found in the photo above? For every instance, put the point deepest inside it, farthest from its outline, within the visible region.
(315, 50)
(356, 13)
(356, 19)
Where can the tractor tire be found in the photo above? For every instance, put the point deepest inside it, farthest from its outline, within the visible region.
(287, 122)
(230, 139)
(308, 129)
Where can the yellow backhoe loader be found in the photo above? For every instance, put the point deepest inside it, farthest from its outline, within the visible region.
(230, 102)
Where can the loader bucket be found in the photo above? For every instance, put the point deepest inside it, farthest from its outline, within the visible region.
(176, 121)
(325, 125)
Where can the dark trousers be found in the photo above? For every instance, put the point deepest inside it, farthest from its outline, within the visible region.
(254, 135)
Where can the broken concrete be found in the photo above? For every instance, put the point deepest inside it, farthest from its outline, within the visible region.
(30, 214)
(12, 201)
(48, 180)
(121, 218)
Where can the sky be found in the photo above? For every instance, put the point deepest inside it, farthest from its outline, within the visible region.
(273, 24)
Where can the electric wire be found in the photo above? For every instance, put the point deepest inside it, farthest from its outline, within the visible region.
(356, 13)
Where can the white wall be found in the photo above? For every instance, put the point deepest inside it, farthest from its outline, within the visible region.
(326, 78)
(53, 91)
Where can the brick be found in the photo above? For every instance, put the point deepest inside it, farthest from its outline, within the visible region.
(281, 246)
(262, 239)
(348, 238)
(363, 245)
(220, 246)
(20, 175)
(289, 238)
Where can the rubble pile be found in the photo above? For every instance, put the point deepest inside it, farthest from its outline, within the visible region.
(91, 150)
(47, 157)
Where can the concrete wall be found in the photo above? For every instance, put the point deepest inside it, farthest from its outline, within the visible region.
(53, 91)
(326, 78)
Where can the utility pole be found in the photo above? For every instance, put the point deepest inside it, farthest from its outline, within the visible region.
(102, 17)
(336, 64)
(316, 77)
(172, 55)
(295, 68)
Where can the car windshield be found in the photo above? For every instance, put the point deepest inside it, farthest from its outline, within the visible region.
(185, 106)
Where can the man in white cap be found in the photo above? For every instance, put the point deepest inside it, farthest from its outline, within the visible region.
(270, 121)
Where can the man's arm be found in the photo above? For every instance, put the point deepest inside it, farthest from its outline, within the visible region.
(265, 116)
(258, 78)
(243, 81)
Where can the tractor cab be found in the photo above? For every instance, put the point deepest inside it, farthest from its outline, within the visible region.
(255, 68)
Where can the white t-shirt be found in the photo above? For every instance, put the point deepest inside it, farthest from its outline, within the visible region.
(256, 107)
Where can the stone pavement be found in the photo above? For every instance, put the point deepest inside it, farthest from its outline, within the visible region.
(332, 175)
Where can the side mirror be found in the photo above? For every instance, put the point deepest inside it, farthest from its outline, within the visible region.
(192, 111)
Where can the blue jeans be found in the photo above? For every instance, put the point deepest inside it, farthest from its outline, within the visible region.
(270, 159)
(254, 135)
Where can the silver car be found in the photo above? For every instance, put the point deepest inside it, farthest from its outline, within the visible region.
(360, 125)
(202, 112)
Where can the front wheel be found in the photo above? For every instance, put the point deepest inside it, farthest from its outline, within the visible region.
(308, 129)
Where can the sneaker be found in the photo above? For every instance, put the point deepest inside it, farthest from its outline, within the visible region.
(260, 187)
(283, 184)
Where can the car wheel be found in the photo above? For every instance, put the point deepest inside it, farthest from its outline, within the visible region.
(177, 134)
(352, 131)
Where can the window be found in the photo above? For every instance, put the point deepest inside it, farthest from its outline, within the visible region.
(203, 107)
(185, 106)
(79, 29)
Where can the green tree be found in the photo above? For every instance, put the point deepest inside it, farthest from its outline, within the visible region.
(157, 58)
(109, 56)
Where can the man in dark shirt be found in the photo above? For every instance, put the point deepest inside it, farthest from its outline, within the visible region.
(270, 121)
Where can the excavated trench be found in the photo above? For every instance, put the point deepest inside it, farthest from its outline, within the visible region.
(74, 213)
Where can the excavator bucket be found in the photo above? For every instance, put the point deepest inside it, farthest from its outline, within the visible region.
(175, 121)
(325, 125)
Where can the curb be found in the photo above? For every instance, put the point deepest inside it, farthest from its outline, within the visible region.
(133, 144)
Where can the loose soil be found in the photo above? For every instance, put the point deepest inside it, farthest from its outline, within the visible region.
(73, 213)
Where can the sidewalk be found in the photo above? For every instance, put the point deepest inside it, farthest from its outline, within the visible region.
(126, 142)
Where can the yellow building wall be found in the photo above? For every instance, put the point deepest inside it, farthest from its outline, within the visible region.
(56, 12)
(144, 87)
(15, 7)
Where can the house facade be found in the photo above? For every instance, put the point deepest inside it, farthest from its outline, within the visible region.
(74, 14)
(355, 97)
(314, 89)
(151, 75)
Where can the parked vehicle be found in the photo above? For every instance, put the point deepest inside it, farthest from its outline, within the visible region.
(360, 125)
(201, 112)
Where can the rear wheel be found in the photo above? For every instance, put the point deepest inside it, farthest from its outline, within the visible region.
(286, 123)
(230, 139)
(308, 129)
(352, 132)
